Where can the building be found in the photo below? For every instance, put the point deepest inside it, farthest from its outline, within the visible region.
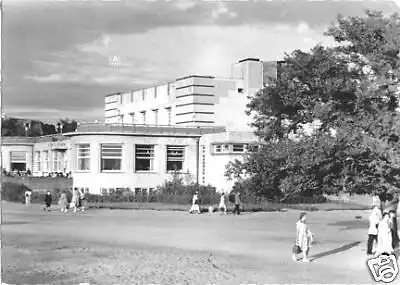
(193, 126)
(42, 156)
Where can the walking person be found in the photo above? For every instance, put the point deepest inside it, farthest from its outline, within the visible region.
(304, 239)
(374, 220)
(195, 204)
(75, 200)
(82, 198)
(63, 202)
(237, 204)
(28, 197)
(384, 236)
(393, 229)
(222, 205)
(48, 199)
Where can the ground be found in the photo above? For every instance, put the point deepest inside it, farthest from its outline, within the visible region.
(155, 247)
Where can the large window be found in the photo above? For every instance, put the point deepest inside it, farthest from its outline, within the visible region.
(111, 157)
(18, 160)
(55, 161)
(83, 157)
(144, 157)
(175, 158)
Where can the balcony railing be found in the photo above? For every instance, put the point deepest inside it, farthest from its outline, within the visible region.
(147, 129)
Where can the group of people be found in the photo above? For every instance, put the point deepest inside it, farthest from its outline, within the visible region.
(195, 208)
(383, 231)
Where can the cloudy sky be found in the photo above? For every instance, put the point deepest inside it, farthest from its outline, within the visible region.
(57, 55)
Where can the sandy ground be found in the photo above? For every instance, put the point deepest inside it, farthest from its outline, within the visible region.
(150, 247)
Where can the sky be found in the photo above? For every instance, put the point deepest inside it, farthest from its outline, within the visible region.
(60, 58)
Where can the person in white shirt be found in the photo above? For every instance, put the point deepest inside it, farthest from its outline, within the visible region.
(222, 205)
(195, 204)
(384, 236)
(304, 238)
(28, 195)
(374, 220)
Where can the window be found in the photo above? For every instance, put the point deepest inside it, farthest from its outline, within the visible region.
(37, 161)
(240, 90)
(218, 148)
(83, 157)
(55, 161)
(144, 157)
(175, 158)
(238, 148)
(133, 118)
(168, 115)
(45, 160)
(143, 117)
(155, 116)
(225, 148)
(18, 160)
(111, 157)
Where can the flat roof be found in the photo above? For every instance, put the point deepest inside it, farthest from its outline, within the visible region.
(199, 76)
(249, 59)
(144, 130)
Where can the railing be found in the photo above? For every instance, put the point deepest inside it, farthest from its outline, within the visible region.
(146, 129)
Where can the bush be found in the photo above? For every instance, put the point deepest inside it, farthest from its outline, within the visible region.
(14, 192)
(305, 200)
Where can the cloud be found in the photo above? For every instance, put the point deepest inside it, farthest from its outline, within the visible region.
(222, 11)
(56, 56)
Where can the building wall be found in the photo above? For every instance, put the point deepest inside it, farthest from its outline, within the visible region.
(127, 177)
(193, 100)
(212, 165)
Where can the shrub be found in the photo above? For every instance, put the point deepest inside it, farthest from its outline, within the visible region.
(14, 192)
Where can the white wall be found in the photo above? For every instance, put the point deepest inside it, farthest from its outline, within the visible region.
(127, 177)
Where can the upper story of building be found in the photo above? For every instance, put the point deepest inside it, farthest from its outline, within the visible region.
(195, 100)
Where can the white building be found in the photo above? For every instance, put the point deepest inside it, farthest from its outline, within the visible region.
(194, 125)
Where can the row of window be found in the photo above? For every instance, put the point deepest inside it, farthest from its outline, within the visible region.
(42, 161)
(143, 93)
(111, 157)
(231, 148)
(136, 191)
(143, 116)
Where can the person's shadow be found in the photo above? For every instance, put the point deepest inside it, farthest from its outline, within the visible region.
(336, 250)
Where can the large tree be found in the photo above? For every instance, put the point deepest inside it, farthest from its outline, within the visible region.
(349, 96)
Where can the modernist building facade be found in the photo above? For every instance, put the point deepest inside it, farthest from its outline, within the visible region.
(193, 126)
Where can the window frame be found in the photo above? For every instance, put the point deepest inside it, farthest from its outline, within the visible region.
(110, 157)
(151, 158)
(183, 159)
(78, 157)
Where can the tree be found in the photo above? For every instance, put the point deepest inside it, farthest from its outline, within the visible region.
(348, 95)
(67, 125)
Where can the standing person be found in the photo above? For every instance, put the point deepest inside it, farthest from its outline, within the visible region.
(237, 204)
(374, 220)
(304, 239)
(393, 229)
(28, 196)
(63, 202)
(82, 198)
(48, 199)
(195, 204)
(222, 205)
(384, 236)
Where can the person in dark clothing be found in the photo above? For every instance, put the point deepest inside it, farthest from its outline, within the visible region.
(48, 199)
(393, 229)
(237, 204)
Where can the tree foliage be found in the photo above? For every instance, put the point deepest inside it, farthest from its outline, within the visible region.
(348, 95)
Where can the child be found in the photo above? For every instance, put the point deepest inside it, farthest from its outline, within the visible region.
(303, 239)
(374, 220)
(48, 200)
(222, 206)
(28, 198)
